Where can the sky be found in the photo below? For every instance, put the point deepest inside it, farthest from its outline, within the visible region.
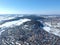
(29, 6)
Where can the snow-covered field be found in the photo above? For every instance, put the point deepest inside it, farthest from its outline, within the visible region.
(12, 23)
(52, 28)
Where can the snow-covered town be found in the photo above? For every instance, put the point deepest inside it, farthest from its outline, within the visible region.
(30, 30)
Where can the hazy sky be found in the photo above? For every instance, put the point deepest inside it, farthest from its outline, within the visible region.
(29, 6)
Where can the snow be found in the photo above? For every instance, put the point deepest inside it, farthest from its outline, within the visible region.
(46, 28)
(12, 23)
(1, 31)
(22, 21)
(48, 24)
(55, 31)
(6, 18)
(52, 30)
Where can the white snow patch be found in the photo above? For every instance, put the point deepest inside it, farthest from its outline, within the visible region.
(6, 18)
(46, 28)
(54, 31)
(12, 23)
(22, 21)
